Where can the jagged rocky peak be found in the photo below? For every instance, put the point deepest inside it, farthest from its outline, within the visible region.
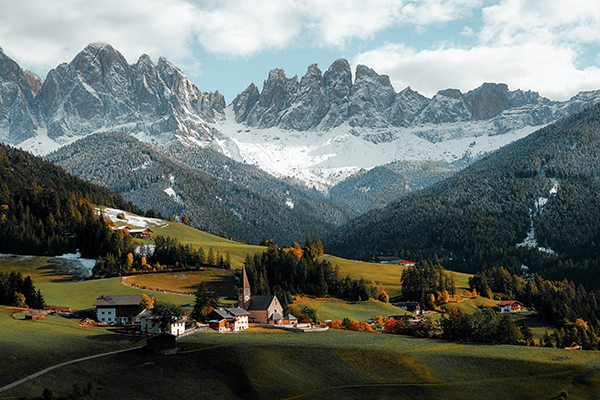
(35, 82)
(18, 116)
(453, 93)
(243, 102)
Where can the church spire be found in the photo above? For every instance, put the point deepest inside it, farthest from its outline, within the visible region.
(244, 294)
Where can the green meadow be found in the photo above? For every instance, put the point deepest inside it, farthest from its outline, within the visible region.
(29, 346)
(335, 309)
(199, 239)
(332, 364)
(223, 281)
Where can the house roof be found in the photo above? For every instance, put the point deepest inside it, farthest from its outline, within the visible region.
(258, 303)
(276, 316)
(140, 230)
(509, 303)
(290, 317)
(112, 301)
(229, 313)
(237, 311)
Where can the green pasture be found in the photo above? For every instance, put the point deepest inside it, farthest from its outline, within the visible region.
(470, 306)
(81, 295)
(41, 269)
(335, 309)
(223, 281)
(331, 364)
(29, 346)
(387, 275)
(199, 239)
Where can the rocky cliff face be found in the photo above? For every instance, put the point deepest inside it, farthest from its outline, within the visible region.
(323, 102)
(18, 117)
(98, 90)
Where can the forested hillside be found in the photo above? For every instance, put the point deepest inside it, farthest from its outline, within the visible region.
(217, 194)
(543, 188)
(44, 210)
(377, 187)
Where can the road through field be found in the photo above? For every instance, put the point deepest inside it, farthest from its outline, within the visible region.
(27, 378)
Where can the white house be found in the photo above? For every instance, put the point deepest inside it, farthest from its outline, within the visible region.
(509, 306)
(229, 319)
(149, 324)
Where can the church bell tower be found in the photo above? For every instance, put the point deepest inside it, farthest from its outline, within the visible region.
(244, 294)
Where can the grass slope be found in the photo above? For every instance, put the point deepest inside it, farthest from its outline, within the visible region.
(334, 309)
(223, 281)
(332, 364)
(29, 346)
(196, 238)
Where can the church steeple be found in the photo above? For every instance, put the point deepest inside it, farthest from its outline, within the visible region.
(244, 294)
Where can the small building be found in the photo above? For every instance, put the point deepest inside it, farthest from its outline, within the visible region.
(124, 229)
(141, 233)
(162, 343)
(229, 319)
(290, 320)
(509, 306)
(393, 260)
(34, 316)
(118, 309)
(410, 306)
(149, 324)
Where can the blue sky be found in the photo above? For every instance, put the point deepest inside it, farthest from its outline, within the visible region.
(550, 46)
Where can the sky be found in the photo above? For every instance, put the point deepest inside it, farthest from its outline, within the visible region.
(550, 46)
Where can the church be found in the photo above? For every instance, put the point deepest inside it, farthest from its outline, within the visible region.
(262, 309)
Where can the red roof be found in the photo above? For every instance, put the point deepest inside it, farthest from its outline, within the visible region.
(509, 303)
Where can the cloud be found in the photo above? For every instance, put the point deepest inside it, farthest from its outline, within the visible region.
(551, 21)
(548, 69)
(41, 34)
(244, 27)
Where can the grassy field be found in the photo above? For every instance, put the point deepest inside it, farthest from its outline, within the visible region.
(332, 364)
(387, 275)
(29, 346)
(199, 239)
(334, 309)
(223, 281)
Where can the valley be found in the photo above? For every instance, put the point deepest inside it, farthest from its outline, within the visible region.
(484, 199)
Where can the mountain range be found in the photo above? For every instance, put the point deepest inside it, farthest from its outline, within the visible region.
(315, 152)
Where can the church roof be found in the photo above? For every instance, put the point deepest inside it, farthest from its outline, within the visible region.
(258, 303)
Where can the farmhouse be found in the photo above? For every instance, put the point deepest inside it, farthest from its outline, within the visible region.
(141, 233)
(229, 319)
(149, 324)
(393, 260)
(118, 309)
(136, 233)
(262, 309)
(125, 229)
(509, 306)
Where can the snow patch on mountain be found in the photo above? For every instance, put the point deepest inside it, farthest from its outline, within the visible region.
(324, 158)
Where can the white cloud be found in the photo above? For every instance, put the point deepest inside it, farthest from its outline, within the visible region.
(547, 69)
(552, 21)
(243, 27)
(41, 34)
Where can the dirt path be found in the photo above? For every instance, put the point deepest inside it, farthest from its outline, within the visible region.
(42, 372)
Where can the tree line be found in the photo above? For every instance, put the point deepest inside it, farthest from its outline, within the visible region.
(19, 292)
(299, 270)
